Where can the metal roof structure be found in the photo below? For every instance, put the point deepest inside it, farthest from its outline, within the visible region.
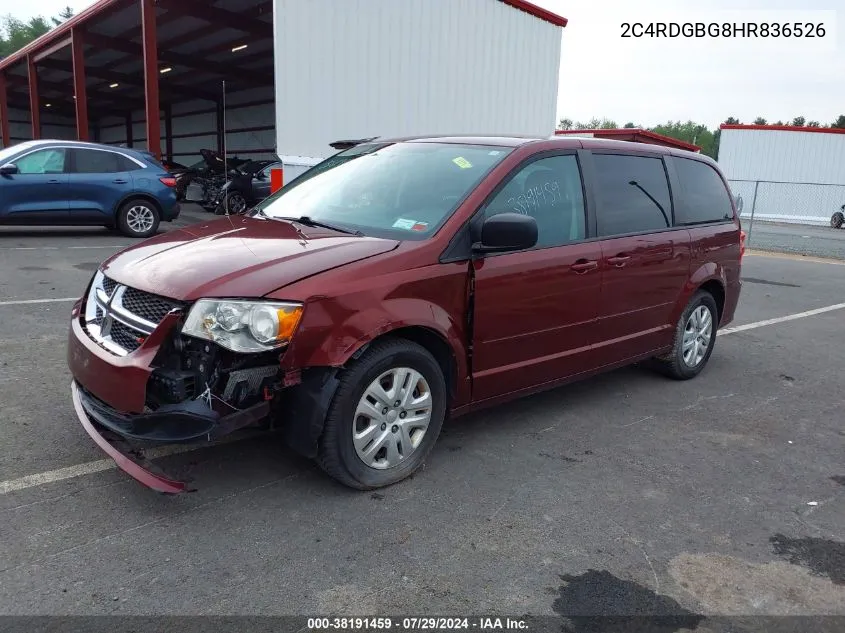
(119, 55)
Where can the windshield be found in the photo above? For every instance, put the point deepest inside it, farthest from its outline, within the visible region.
(401, 190)
(7, 153)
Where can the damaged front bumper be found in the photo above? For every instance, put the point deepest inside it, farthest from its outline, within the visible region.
(124, 437)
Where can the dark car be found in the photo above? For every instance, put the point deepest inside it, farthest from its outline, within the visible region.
(359, 306)
(247, 185)
(207, 174)
(70, 183)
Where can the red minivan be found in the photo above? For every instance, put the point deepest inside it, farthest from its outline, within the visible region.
(400, 282)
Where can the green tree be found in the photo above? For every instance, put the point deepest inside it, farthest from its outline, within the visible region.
(597, 124)
(813, 124)
(630, 125)
(760, 121)
(690, 132)
(64, 15)
(799, 121)
(15, 33)
(779, 122)
(565, 124)
(839, 123)
(732, 121)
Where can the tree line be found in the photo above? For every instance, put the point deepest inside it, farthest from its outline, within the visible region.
(692, 132)
(15, 33)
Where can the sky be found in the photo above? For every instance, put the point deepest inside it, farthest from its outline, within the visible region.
(651, 81)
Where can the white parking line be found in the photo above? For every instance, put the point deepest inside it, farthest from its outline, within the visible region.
(783, 319)
(71, 472)
(25, 302)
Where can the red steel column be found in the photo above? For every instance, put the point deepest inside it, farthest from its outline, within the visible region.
(153, 114)
(34, 105)
(77, 44)
(4, 113)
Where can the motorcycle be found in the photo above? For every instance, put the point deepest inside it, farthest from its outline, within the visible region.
(837, 220)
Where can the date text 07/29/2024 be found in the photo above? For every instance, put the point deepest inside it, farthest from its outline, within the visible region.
(416, 624)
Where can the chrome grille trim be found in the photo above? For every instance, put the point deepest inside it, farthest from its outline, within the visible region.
(114, 327)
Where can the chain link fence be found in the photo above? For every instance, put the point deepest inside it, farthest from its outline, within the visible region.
(792, 217)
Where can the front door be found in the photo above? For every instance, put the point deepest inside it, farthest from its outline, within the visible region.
(37, 194)
(645, 261)
(535, 311)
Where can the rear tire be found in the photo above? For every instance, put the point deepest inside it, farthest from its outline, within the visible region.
(837, 220)
(695, 337)
(138, 218)
(369, 442)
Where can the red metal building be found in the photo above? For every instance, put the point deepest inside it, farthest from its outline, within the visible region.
(636, 135)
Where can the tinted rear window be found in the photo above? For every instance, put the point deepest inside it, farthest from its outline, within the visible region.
(633, 194)
(705, 198)
(87, 161)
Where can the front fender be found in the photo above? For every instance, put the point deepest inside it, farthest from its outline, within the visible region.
(331, 333)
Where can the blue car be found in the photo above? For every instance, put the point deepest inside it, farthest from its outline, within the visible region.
(70, 183)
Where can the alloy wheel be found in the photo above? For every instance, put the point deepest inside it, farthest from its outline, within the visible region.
(140, 218)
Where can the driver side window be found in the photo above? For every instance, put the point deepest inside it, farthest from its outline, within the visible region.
(45, 161)
(550, 191)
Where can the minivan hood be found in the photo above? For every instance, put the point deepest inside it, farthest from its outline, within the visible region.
(236, 257)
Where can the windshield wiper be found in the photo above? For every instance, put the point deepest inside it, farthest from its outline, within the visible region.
(307, 221)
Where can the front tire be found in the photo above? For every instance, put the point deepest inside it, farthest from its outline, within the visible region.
(138, 218)
(695, 336)
(837, 220)
(385, 416)
(234, 203)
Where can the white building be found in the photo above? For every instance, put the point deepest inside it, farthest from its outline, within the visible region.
(785, 173)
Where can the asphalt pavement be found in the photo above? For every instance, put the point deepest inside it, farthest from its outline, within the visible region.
(799, 239)
(624, 494)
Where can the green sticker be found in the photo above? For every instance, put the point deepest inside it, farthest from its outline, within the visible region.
(462, 162)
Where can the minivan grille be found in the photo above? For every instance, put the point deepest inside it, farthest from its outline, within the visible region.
(119, 318)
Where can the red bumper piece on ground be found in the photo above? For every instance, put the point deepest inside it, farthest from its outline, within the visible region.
(133, 465)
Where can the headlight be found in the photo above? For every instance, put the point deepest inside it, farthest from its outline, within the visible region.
(243, 326)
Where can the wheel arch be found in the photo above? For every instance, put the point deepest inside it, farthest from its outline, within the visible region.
(710, 277)
(139, 195)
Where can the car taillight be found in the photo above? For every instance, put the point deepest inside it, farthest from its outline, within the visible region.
(170, 181)
(742, 236)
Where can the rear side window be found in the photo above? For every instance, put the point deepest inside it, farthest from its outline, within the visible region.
(632, 193)
(705, 197)
(88, 161)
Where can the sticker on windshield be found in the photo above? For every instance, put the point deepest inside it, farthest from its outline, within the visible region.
(410, 225)
(462, 162)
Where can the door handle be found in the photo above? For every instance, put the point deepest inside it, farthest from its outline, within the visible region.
(119, 181)
(584, 265)
(54, 182)
(619, 260)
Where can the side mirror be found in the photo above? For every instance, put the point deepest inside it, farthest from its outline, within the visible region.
(507, 232)
(8, 169)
